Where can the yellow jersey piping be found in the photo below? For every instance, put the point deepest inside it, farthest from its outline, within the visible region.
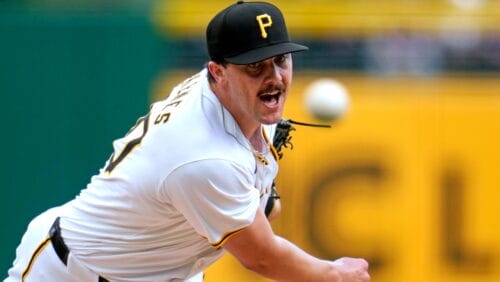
(37, 252)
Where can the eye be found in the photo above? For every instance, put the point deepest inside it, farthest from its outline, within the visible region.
(281, 59)
(254, 68)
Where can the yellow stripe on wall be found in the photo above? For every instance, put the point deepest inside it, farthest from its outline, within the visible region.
(324, 18)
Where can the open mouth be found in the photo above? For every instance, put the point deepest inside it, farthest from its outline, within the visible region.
(270, 98)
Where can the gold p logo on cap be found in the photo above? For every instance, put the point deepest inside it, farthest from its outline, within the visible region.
(264, 21)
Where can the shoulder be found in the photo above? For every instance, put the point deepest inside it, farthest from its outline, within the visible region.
(215, 170)
(209, 179)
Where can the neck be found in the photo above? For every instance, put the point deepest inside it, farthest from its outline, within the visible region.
(256, 140)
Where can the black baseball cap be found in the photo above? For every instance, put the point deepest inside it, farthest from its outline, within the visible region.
(249, 32)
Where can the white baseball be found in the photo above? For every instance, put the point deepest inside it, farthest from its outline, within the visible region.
(326, 99)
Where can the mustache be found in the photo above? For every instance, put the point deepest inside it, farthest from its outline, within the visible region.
(272, 88)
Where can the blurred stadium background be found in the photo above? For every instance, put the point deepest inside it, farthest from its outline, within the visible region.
(408, 179)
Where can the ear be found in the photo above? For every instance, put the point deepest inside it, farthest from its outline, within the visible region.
(216, 70)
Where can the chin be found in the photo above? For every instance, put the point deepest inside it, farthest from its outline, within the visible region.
(271, 119)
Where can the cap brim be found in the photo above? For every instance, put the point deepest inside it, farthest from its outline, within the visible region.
(263, 53)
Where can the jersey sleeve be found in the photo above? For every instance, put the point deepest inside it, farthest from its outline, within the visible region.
(217, 197)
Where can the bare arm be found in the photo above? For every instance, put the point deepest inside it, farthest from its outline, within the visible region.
(261, 251)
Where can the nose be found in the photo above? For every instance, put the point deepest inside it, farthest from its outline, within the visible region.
(277, 71)
(275, 74)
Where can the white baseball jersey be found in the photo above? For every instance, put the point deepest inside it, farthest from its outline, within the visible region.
(177, 186)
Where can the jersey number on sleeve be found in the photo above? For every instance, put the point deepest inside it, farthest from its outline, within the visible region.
(139, 129)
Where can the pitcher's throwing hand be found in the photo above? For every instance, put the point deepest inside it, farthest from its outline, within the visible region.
(352, 269)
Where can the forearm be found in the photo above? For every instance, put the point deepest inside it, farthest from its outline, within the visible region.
(260, 250)
(286, 262)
